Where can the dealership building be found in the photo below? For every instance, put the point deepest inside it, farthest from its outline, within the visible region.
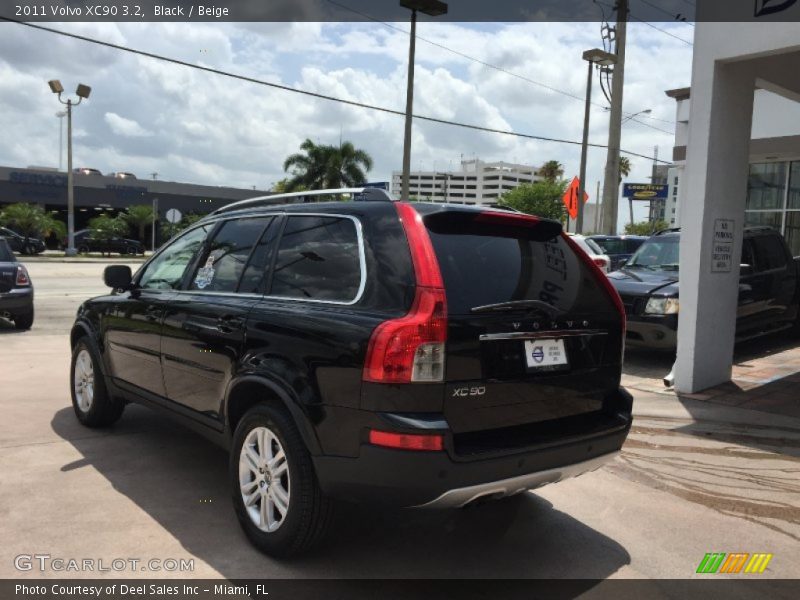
(734, 63)
(97, 194)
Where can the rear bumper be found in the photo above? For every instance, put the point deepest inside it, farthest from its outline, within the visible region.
(435, 480)
(18, 300)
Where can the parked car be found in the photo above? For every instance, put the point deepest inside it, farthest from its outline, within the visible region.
(87, 171)
(594, 251)
(16, 289)
(417, 355)
(122, 175)
(20, 243)
(768, 288)
(619, 248)
(85, 243)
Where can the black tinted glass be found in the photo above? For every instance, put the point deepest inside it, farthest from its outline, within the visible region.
(318, 259)
(769, 252)
(488, 269)
(227, 254)
(260, 260)
(5, 252)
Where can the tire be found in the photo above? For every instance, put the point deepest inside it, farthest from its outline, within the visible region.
(24, 321)
(91, 401)
(291, 483)
(131, 250)
(83, 249)
(29, 250)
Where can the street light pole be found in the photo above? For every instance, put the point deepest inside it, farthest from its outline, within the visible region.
(433, 8)
(584, 150)
(611, 182)
(82, 92)
(61, 114)
(409, 105)
(592, 57)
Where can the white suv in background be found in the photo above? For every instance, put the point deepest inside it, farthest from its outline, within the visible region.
(594, 251)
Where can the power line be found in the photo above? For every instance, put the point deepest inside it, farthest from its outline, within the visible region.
(306, 92)
(664, 31)
(474, 59)
(678, 16)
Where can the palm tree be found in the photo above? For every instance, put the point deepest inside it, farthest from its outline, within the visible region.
(552, 170)
(624, 167)
(624, 171)
(323, 166)
(139, 216)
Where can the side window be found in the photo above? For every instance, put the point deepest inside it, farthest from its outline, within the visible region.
(167, 269)
(223, 263)
(260, 260)
(770, 253)
(318, 259)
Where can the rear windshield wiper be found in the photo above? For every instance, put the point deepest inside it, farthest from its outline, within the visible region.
(539, 305)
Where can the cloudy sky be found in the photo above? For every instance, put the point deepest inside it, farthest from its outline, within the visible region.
(148, 116)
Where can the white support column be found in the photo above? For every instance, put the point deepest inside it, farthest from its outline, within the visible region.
(714, 188)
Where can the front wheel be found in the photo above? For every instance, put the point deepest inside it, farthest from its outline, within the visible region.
(275, 491)
(91, 401)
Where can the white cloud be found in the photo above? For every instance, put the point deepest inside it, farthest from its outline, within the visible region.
(127, 127)
(189, 125)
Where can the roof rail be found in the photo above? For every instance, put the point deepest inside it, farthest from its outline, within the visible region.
(362, 194)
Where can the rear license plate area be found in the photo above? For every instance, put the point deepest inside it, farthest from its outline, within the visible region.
(546, 355)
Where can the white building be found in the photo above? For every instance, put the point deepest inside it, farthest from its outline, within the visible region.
(735, 64)
(477, 182)
(774, 157)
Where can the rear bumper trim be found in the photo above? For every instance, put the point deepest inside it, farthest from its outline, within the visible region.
(459, 497)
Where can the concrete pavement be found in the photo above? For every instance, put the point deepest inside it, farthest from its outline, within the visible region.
(694, 477)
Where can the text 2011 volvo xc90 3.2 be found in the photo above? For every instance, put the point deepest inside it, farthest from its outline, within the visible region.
(411, 354)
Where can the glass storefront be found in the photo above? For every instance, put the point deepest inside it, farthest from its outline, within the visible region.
(773, 199)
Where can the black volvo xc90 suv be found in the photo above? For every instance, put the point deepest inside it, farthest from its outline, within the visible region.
(419, 355)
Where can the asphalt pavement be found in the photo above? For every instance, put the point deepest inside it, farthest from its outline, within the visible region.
(693, 478)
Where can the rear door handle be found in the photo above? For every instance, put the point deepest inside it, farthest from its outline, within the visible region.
(229, 324)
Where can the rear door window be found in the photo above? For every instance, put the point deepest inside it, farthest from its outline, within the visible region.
(222, 265)
(318, 258)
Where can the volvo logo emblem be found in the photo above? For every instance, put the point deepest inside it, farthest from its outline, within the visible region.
(538, 354)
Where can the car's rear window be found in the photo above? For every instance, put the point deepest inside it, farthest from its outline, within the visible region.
(502, 264)
(6, 255)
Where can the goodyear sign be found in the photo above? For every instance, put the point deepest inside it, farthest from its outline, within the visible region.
(645, 191)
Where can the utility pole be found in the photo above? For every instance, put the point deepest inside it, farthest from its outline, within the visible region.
(409, 105)
(584, 148)
(611, 183)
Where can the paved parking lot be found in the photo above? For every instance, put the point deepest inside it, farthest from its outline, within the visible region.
(696, 476)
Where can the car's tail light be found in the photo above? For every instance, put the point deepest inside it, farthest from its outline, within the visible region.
(22, 276)
(600, 262)
(411, 349)
(601, 278)
(406, 441)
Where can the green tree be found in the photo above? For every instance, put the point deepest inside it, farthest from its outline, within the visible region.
(552, 171)
(624, 167)
(542, 198)
(645, 227)
(283, 186)
(138, 217)
(30, 220)
(323, 166)
(168, 230)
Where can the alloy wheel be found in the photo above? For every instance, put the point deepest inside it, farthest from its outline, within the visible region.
(264, 479)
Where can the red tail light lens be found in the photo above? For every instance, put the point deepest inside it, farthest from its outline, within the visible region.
(600, 262)
(412, 348)
(406, 441)
(22, 276)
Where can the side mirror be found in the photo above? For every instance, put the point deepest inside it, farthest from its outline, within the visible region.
(118, 277)
(745, 270)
